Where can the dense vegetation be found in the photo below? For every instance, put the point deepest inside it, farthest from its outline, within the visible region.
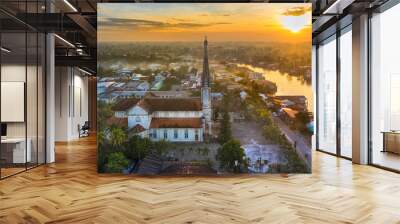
(294, 59)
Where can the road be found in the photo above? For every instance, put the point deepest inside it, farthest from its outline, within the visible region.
(256, 146)
(303, 149)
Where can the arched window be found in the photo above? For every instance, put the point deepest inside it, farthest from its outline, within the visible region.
(176, 133)
(165, 134)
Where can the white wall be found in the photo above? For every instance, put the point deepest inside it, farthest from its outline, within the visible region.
(138, 112)
(181, 134)
(71, 103)
(177, 114)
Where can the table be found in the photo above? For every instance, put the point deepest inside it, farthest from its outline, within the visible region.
(391, 141)
(13, 150)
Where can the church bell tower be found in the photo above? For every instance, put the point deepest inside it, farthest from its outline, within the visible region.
(206, 93)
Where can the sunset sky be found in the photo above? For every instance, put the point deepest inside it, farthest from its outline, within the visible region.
(270, 22)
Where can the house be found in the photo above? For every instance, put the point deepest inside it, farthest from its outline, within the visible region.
(154, 66)
(299, 103)
(216, 96)
(263, 96)
(138, 77)
(156, 85)
(169, 94)
(288, 115)
(102, 86)
(171, 119)
(238, 79)
(122, 105)
(131, 85)
(125, 72)
(143, 86)
(243, 95)
(159, 77)
(256, 76)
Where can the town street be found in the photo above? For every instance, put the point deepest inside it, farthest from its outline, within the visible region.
(256, 146)
(303, 149)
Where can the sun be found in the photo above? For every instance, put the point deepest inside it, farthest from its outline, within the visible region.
(294, 23)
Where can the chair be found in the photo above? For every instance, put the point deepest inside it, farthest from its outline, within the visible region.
(84, 130)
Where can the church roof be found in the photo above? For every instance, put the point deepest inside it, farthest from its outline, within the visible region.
(137, 128)
(125, 104)
(176, 123)
(170, 104)
(120, 122)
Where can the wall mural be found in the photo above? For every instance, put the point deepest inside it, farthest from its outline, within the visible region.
(204, 89)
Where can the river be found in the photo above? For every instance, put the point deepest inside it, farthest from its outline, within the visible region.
(286, 84)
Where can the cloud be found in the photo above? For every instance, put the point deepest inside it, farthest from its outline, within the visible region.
(214, 15)
(150, 24)
(181, 20)
(297, 11)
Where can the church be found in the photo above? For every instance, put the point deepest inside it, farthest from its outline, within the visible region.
(175, 119)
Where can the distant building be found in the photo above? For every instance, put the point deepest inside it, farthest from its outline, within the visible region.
(169, 94)
(263, 96)
(156, 85)
(234, 87)
(138, 77)
(299, 103)
(238, 79)
(217, 96)
(243, 95)
(159, 77)
(256, 76)
(124, 72)
(154, 66)
(102, 86)
(288, 115)
(143, 86)
(131, 85)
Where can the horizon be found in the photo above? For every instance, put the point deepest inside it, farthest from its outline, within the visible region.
(200, 41)
(220, 22)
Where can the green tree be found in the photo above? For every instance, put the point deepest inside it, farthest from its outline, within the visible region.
(301, 121)
(225, 132)
(104, 112)
(168, 83)
(215, 113)
(117, 137)
(229, 153)
(117, 162)
(161, 147)
(101, 136)
(138, 147)
(101, 157)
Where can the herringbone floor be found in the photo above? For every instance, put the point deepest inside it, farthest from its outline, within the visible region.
(70, 191)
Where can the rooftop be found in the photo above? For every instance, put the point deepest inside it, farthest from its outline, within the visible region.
(176, 123)
(170, 104)
(125, 104)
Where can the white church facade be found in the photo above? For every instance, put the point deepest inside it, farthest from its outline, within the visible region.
(175, 119)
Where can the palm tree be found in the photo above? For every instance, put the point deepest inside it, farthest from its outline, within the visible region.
(101, 138)
(117, 137)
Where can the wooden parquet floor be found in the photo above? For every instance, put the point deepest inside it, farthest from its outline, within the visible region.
(70, 191)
